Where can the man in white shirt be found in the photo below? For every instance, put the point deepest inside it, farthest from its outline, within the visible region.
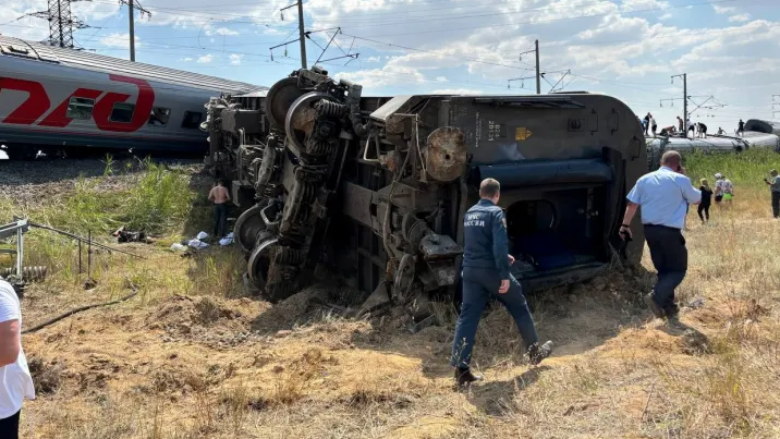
(15, 381)
(664, 196)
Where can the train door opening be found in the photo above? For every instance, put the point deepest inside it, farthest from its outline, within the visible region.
(562, 215)
(554, 230)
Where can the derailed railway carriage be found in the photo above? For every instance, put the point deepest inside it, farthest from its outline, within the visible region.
(376, 188)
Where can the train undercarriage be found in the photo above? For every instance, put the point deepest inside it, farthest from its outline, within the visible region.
(375, 188)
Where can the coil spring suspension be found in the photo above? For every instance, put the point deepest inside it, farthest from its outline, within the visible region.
(325, 108)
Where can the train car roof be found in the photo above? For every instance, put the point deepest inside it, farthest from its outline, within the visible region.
(40, 52)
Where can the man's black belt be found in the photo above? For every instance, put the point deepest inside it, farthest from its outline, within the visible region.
(661, 226)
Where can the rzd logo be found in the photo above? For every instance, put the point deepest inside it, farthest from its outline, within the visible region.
(38, 103)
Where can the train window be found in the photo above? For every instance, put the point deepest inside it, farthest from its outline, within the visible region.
(122, 112)
(159, 116)
(191, 119)
(80, 108)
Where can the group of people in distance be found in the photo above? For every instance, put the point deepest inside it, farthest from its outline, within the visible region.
(697, 129)
(723, 193)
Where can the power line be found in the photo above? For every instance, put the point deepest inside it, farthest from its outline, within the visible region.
(363, 23)
(706, 3)
(380, 73)
(436, 52)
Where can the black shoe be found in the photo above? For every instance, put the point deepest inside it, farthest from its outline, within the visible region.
(464, 377)
(673, 322)
(657, 312)
(538, 353)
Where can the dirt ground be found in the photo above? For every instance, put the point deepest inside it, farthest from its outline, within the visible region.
(193, 356)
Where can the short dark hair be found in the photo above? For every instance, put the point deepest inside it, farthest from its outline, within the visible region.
(489, 188)
(671, 158)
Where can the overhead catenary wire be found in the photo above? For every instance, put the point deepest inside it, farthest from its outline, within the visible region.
(461, 28)
(472, 16)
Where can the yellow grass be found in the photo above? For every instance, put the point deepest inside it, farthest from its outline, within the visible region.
(192, 357)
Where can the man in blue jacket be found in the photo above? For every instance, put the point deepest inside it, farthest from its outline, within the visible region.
(485, 275)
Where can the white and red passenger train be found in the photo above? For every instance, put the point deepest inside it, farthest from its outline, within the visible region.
(61, 100)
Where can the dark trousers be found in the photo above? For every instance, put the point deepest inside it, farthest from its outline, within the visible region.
(704, 211)
(9, 427)
(479, 286)
(670, 258)
(220, 219)
(776, 204)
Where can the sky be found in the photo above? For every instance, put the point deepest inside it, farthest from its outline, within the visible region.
(630, 49)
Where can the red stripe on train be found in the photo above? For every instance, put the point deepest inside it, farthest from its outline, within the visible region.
(38, 103)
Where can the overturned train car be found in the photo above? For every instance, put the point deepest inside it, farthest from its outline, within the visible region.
(757, 134)
(375, 188)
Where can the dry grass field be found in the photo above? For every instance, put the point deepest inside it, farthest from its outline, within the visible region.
(192, 356)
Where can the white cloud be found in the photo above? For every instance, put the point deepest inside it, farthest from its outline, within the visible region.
(119, 40)
(457, 91)
(724, 9)
(186, 59)
(91, 11)
(441, 79)
(235, 59)
(386, 76)
(642, 5)
(739, 18)
(373, 59)
(225, 31)
(205, 59)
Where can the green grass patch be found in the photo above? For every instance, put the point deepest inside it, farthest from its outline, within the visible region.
(156, 203)
(161, 200)
(746, 169)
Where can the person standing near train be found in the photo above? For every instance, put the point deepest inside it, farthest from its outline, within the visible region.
(706, 201)
(724, 190)
(16, 383)
(219, 196)
(664, 196)
(485, 275)
(774, 189)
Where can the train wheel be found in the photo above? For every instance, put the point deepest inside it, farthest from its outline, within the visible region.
(260, 262)
(279, 99)
(247, 228)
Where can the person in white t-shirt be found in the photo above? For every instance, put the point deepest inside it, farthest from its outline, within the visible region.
(724, 189)
(15, 381)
